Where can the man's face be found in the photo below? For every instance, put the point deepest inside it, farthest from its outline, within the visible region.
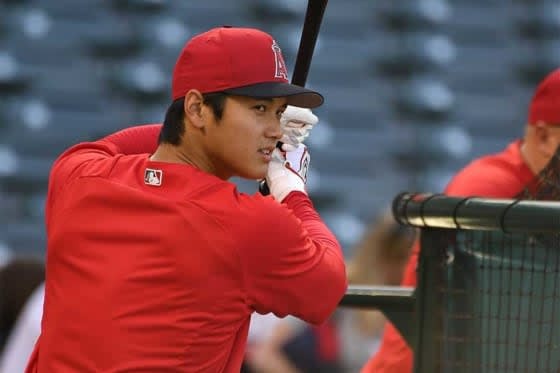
(548, 174)
(551, 142)
(240, 144)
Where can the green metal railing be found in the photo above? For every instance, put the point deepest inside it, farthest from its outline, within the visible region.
(488, 294)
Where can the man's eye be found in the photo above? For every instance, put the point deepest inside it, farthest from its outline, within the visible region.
(261, 108)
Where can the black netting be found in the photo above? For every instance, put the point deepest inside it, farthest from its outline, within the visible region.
(500, 309)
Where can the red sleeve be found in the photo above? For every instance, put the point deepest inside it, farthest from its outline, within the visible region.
(96, 156)
(293, 264)
(135, 140)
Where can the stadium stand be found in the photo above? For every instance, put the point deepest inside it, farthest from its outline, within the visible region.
(414, 88)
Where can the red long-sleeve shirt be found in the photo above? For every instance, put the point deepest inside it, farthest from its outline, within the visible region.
(501, 175)
(157, 267)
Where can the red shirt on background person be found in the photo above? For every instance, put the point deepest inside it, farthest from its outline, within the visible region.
(503, 175)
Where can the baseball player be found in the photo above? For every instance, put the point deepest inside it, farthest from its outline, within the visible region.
(519, 171)
(155, 262)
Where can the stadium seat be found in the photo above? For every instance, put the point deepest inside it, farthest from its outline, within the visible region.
(356, 103)
(430, 144)
(147, 6)
(201, 15)
(544, 58)
(18, 207)
(53, 139)
(25, 114)
(288, 36)
(540, 21)
(24, 237)
(164, 35)
(425, 97)
(489, 23)
(353, 151)
(336, 68)
(506, 118)
(277, 11)
(8, 3)
(363, 194)
(12, 207)
(140, 79)
(3, 21)
(31, 22)
(14, 78)
(416, 14)
(153, 112)
(416, 52)
(23, 174)
(465, 73)
(120, 40)
(33, 116)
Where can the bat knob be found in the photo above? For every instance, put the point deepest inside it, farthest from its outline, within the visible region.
(263, 188)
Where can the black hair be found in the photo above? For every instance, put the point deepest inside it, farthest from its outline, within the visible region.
(173, 127)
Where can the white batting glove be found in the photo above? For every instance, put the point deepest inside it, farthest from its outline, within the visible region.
(287, 171)
(296, 124)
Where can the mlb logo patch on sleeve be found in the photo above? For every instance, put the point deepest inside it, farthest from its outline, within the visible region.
(153, 177)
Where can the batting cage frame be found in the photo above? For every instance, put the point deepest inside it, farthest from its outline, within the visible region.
(488, 293)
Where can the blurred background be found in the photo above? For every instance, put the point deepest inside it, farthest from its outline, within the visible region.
(414, 90)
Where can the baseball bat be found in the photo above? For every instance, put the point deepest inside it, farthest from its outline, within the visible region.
(309, 34)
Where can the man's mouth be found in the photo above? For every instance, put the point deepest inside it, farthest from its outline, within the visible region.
(266, 151)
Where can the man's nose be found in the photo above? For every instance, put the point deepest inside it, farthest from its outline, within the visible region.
(274, 129)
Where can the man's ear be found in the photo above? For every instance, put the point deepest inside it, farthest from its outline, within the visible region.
(541, 131)
(545, 140)
(194, 108)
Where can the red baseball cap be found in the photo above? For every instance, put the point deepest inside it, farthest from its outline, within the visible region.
(545, 105)
(239, 61)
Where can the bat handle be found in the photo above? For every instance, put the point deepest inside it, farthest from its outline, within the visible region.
(263, 186)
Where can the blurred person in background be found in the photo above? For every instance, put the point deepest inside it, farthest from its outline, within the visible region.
(289, 345)
(262, 340)
(6, 256)
(527, 168)
(378, 259)
(21, 306)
